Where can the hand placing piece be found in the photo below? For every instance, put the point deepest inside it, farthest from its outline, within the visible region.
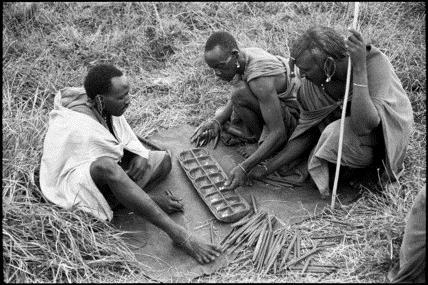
(175, 204)
(205, 133)
(238, 177)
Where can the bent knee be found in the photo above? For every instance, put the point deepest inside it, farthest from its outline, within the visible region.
(105, 169)
(166, 164)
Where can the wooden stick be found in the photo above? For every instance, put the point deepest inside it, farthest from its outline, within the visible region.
(243, 265)
(276, 182)
(311, 269)
(327, 236)
(342, 118)
(324, 266)
(275, 247)
(341, 223)
(236, 246)
(247, 231)
(263, 248)
(226, 237)
(306, 264)
(242, 221)
(294, 261)
(254, 203)
(275, 266)
(212, 232)
(298, 244)
(287, 253)
(259, 242)
(295, 247)
(256, 233)
(276, 250)
(264, 244)
(242, 258)
(247, 225)
(322, 245)
(269, 245)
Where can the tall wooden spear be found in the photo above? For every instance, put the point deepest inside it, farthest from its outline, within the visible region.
(342, 118)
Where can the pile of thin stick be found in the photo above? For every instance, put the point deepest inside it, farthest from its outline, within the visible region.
(261, 239)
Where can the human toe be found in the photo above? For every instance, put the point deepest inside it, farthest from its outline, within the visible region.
(214, 249)
(205, 259)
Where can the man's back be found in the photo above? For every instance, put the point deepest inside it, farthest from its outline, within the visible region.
(260, 63)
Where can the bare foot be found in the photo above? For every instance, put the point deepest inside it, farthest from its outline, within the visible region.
(168, 202)
(355, 185)
(203, 252)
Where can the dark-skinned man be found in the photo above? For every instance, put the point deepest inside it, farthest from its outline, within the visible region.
(262, 98)
(379, 115)
(92, 159)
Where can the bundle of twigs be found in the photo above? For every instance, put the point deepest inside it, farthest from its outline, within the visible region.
(261, 240)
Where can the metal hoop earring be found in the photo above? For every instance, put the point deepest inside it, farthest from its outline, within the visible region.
(329, 76)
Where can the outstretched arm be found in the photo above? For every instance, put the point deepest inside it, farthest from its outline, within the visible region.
(293, 150)
(264, 90)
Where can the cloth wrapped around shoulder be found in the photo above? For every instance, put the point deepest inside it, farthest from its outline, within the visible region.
(389, 98)
(73, 141)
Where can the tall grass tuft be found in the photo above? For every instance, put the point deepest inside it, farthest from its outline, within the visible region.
(160, 47)
(44, 243)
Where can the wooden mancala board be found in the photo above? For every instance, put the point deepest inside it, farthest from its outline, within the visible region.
(208, 177)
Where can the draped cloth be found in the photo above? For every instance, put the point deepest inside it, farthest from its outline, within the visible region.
(318, 109)
(73, 141)
(412, 263)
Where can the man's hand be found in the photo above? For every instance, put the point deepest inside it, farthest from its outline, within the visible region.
(237, 178)
(258, 172)
(205, 133)
(356, 48)
(137, 167)
(175, 204)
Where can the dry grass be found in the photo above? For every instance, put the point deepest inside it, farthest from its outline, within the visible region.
(43, 243)
(171, 85)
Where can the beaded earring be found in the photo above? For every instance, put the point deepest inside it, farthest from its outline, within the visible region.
(329, 76)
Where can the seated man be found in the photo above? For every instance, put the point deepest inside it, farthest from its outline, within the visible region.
(90, 151)
(261, 98)
(379, 116)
